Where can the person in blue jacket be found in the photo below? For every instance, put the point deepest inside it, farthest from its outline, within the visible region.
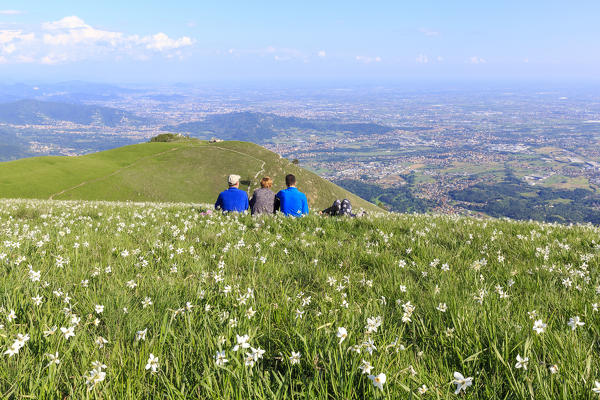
(291, 201)
(232, 199)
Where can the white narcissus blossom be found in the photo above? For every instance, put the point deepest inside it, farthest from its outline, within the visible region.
(141, 335)
(522, 362)
(96, 375)
(68, 332)
(243, 342)
(100, 342)
(220, 359)
(53, 359)
(147, 302)
(17, 345)
(539, 327)
(295, 358)
(461, 382)
(574, 322)
(152, 363)
(365, 367)
(342, 333)
(378, 380)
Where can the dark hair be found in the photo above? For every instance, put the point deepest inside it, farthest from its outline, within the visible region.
(290, 180)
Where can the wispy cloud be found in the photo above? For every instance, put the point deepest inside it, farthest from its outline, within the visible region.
(476, 60)
(368, 60)
(428, 32)
(322, 54)
(277, 53)
(72, 39)
(10, 12)
(422, 59)
(425, 59)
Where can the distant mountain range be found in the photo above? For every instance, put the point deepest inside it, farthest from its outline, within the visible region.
(259, 127)
(45, 113)
(69, 92)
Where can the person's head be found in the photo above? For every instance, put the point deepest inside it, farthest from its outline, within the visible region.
(233, 180)
(290, 180)
(266, 182)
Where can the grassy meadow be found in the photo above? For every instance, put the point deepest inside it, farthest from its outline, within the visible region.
(166, 301)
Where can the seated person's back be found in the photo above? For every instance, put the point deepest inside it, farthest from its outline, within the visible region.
(292, 202)
(263, 199)
(232, 199)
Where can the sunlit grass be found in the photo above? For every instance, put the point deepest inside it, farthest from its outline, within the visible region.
(420, 297)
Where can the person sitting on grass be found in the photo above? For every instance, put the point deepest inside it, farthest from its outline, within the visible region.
(291, 201)
(263, 199)
(232, 199)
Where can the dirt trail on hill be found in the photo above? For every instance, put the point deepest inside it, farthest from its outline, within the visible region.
(112, 173)
(262, 167)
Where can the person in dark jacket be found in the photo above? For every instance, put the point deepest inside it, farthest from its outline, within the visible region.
(263, 199)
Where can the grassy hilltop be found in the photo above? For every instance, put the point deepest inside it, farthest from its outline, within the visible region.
(149, 301)
(182, 171)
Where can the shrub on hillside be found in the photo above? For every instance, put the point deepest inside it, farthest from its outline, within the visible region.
(167, 137)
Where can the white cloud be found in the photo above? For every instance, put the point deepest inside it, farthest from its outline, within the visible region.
(73, 30)
(277, 53)
(10, 40)
(53, 58)
(422, 59)
(440, 58)
(322, 54)
(72, 39)
(7, 36)
(10, 12)
(476, 60)
(72, 22)
(162, 42)
(428, 32)
(368, 60)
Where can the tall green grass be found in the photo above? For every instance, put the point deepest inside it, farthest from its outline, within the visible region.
(304, 278)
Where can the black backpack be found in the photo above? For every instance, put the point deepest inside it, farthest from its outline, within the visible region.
(336, 208)
(345, 207)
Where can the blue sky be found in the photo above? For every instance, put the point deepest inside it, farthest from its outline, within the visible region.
(156, 41)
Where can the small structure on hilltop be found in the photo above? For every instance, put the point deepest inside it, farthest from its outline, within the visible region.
(215, 140)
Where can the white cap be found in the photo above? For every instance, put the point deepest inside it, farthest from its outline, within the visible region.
(233, 179)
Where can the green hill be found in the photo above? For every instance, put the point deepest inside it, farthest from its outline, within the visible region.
(261, 127)
(184, 171)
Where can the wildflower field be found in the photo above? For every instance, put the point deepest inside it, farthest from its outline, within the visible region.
(168, 301)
